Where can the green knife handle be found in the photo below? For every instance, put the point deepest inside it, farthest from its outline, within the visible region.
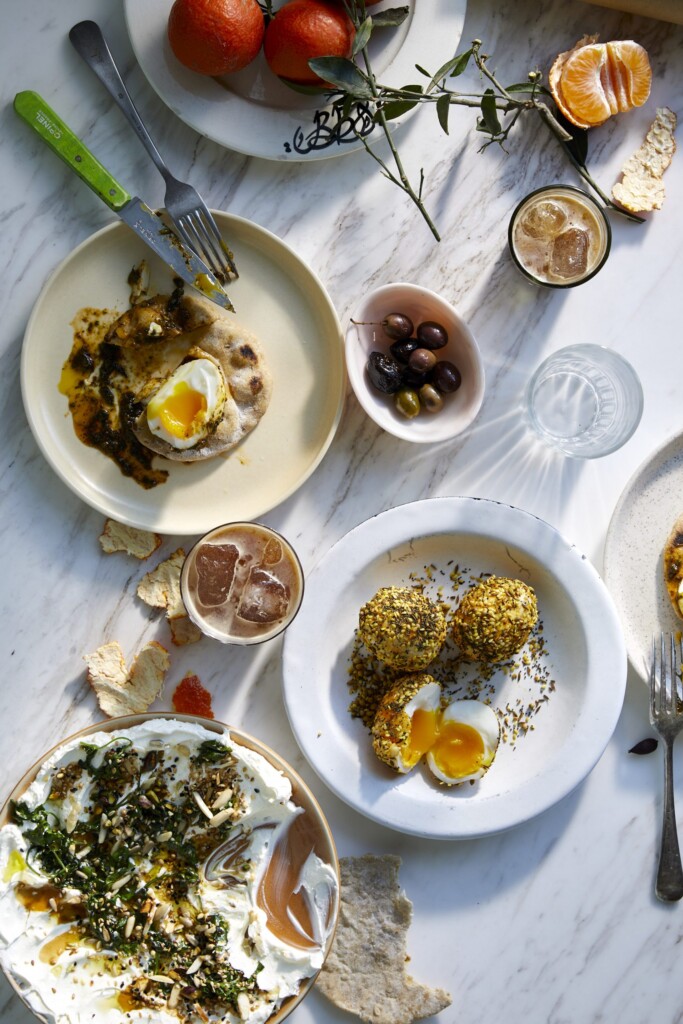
(59, 137)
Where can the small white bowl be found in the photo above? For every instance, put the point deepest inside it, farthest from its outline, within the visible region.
(460, 407)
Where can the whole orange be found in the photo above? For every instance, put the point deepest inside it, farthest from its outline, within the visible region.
(215, 37)
(302, 30)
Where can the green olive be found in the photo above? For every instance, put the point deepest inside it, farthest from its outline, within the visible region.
(430, 398)
(407, 402)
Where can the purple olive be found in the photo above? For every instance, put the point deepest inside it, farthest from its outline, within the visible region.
(397, 326)
(445, 377)
(421, 360)
(402, 348)
(432, 335)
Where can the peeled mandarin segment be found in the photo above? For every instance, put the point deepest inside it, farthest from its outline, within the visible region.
(602, 79)
(459, 749)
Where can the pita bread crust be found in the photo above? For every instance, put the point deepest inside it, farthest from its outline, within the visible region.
(160, 588)
(673, 566)
(119, 537)
(365, 971)
(240, 356)
(123, 692)
(642, 189)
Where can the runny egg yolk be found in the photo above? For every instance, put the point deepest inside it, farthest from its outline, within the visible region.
(423, 733)
(458, 749)
(180, 409)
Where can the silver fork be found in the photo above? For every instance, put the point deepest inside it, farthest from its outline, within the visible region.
(666, 715)
(187, 209)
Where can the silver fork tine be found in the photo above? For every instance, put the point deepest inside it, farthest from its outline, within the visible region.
(206, 239)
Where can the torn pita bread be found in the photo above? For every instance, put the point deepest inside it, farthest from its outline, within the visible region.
(641, 188)
(138, 543)
(121, 691)
(211, 333)
(365, 971)
(160, 588)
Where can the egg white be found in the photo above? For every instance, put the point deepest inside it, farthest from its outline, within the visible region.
(484, 720)
(203, 377)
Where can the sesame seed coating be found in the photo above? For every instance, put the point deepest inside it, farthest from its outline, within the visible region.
(402, 627)
(494, 619)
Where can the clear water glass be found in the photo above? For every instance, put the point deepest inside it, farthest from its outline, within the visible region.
(585, 401)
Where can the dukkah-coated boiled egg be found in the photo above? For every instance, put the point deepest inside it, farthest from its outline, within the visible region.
(188, 405)
(467, 736)
(405, 724)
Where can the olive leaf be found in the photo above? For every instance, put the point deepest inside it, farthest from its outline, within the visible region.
(459, 64)
(443, 106)
(489, 114)
(363, 33)
(527, 87)
(398, 107)
(646, 746)
(394, 16)
(344, 74)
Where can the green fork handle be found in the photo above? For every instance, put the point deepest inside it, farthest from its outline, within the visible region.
(33, 109)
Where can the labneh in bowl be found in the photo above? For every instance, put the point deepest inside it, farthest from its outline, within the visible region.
(303, 849)
(365, 334)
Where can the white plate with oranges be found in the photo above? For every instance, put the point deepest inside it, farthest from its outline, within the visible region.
(252, 111)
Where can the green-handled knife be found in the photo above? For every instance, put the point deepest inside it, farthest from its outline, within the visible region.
(33, 109)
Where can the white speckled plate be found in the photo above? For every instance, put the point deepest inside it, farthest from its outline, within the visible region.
(253, 112)
(642, 520)
(279, 298)
(586, 659)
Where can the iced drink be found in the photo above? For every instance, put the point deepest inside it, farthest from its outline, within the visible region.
(242, 583)
(559, 236)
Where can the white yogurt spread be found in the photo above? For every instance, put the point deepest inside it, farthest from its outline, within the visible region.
(132, 882)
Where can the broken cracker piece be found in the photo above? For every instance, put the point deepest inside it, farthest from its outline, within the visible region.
(365, 971)
(123, 692)
(160, 588)
(641, 188)
(138, 543)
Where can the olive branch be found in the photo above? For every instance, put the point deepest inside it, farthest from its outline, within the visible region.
(352, 82)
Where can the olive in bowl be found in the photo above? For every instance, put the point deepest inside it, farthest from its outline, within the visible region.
(442, 375)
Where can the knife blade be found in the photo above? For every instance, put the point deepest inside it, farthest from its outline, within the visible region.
(33, 109)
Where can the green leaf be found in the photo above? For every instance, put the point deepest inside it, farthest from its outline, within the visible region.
(398, 107)
(527, 87)
(363, 33)
(427, 74)
(343, 74)
(391, 18)
(443, 106)
(489, 113)
(460, 63)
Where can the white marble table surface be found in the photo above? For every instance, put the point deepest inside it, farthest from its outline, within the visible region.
(554, 921)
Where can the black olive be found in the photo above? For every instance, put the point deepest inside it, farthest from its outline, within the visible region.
(385, 372)
(421, 360)
(402, 348)
(445, 377)
(413, 378)
(397, 326)
(432, 335)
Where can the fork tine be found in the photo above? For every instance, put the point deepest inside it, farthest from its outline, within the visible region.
(653, 680)
(208, 236)
(222, 249)
(201, 241)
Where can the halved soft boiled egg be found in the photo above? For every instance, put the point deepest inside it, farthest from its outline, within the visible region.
(188, 405)
(459, 741)
(468, 733)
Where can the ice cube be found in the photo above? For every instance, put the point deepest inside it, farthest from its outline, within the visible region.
(264, 597)
(544, 220)
(569, 255)
(215, 564)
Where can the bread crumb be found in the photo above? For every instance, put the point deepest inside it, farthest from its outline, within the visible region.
(120, 691)
(160, 588)
(641, 188)
(138, 543)
(365, 972)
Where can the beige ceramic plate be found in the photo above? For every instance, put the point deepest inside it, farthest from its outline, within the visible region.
(301, 795)
(279, 298)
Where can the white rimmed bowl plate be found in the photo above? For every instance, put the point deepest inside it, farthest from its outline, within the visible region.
(279, 298)
(587, 660)
(364, 335)
(641, 522)
(253, 112)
